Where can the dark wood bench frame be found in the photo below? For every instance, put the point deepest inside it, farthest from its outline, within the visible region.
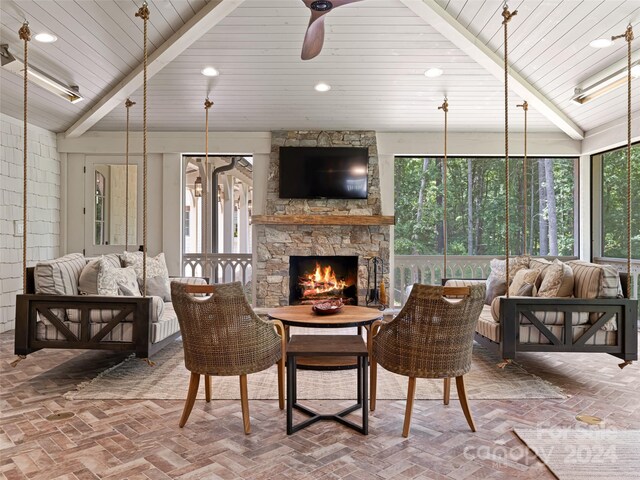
(29, 305)
(626, 347)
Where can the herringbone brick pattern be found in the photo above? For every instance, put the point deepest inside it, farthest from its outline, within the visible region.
(141, 440)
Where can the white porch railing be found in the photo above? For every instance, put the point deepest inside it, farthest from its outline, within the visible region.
(408, 269)
(427, 269)
(221, 267)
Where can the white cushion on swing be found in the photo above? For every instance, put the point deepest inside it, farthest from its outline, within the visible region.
(59, 276)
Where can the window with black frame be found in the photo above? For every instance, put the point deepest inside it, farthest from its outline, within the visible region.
(613, 196)
(475, 206)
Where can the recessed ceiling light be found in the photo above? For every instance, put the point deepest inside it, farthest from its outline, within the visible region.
(210, 72)
(322, 87)
(601, 43)
(45, 37)
(433, 72)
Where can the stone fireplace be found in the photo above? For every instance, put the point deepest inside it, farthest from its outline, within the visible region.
(318, 227)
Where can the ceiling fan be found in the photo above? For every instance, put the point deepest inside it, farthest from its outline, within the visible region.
(314, 38)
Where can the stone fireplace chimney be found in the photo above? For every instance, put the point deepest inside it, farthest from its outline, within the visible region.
(318, 227)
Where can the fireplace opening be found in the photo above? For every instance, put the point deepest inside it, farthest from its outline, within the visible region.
(315, 278)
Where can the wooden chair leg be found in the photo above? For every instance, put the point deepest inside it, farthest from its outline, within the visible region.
(244, 400)
(447, 390)
(407, 414)
(373, 382)
(281, 383)
(207, 388)
(283, 332)
(462, 395)
(194, 383)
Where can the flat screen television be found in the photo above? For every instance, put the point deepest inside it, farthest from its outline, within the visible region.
(323, 172)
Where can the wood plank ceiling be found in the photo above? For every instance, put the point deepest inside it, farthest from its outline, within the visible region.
(549, 45)
(375, 54)
(99, 42)
(374, 58)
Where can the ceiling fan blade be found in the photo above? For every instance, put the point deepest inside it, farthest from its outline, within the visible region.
(339, 3)
(334, 3)
(314, 38)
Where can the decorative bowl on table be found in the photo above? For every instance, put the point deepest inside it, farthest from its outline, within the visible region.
(327, 307)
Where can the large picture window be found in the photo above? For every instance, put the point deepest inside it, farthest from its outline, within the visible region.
(475, 206)
(614, 202)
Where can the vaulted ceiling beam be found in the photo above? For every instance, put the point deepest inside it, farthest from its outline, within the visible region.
(205, 19)
(443, 22)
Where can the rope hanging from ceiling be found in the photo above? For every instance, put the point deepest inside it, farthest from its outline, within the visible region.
(205, 193)
(143, 13)
(445, 108)
(507, 16)
(25, 34)
(128, 104)
(628, 36)
(525, 107)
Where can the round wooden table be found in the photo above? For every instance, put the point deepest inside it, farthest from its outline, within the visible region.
(348, 316)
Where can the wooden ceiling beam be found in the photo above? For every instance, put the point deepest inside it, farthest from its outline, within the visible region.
(205, 19)
(452, 30)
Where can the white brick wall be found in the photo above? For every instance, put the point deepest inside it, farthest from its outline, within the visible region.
(43, 216)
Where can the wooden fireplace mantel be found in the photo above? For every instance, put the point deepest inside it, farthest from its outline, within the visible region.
(323, 220)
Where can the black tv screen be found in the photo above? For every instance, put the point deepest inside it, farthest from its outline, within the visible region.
(323, 172)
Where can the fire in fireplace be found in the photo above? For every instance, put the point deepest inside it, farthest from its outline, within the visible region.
(315, 278)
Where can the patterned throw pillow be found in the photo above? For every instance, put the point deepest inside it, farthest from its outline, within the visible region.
(88, 283)
(128, 284)
(558, 281)
(110, 278)
(540, 264)
(156, 266)
(521, 279)
(496, 282)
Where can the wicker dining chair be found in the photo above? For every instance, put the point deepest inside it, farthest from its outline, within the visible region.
(432, 337)
(222, 336)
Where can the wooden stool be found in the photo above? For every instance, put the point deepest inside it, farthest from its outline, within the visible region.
(327, 345)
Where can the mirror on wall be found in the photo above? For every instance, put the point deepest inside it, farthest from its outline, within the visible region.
(111, 202)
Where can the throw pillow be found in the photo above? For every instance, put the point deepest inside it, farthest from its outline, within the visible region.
(558, 281)
(88, 283)
(540, 264)
(156, 266)
(595, 281)
(496, 286)
(59, 276)
(109, 279)
(128, 283)
(521, 279)
(499, 267)
(498, 275)
(158, 287)
(527, 290)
